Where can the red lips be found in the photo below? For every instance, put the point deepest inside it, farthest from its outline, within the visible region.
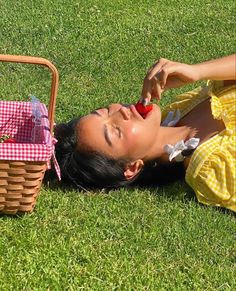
(143, 110)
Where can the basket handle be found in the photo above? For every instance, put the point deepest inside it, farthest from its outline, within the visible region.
(54, 82)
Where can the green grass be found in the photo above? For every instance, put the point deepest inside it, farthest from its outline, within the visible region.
(131, 239)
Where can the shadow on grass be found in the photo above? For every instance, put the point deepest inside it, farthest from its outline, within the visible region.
(175, 191)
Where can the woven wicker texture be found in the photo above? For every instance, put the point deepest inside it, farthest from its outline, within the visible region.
(20, 183)
(20, 180)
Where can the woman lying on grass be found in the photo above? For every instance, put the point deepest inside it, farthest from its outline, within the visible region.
(193, 137)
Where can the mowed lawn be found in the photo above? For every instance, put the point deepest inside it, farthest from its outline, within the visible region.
(129, 239)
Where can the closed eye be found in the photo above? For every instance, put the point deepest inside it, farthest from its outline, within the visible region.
(118, 131)
(105, 129)
(113, 132)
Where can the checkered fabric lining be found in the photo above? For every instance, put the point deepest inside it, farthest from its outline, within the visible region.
(16, 120)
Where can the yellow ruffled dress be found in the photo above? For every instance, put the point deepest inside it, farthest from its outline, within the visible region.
(212, 168)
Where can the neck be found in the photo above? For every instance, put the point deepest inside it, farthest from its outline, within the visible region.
(169, 135)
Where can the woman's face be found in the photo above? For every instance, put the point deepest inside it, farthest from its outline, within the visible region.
(119, 131)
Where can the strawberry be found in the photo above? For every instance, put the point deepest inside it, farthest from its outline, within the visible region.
(143, 110)
(10, 140)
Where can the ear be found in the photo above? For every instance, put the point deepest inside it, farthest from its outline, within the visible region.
(133, 168)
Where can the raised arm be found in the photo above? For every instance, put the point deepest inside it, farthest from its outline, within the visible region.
(166, 74)
(219, 69)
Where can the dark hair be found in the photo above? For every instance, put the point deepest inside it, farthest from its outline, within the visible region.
(90, 169)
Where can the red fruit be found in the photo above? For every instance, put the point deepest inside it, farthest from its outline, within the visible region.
(143, 110)
(10, 140)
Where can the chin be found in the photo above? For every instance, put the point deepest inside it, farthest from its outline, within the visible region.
(155, 114)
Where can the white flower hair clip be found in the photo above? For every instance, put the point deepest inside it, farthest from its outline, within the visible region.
(175, 151)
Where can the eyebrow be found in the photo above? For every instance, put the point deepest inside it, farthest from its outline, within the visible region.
(105, 130)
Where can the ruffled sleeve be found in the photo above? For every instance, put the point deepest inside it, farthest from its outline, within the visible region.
(212, 172)
(212, 168)
(223, 103)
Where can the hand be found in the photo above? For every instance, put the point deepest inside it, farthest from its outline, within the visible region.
(166, 74)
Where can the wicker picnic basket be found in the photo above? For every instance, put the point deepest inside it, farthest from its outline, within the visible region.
(21, 179)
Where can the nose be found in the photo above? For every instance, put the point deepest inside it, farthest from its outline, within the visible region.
(125, 111)
(119, 108)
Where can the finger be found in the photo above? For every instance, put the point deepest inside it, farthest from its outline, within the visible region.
(149, 71)
(159, 91)
(156, 68)
(156, 88)
(154, 71)
(145, 100)
(154, 94)
(147, 89)
(167, 71)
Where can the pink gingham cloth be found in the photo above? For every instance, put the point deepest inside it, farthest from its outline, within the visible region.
(17, 121)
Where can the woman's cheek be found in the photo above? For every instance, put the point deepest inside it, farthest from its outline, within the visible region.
(133, 135)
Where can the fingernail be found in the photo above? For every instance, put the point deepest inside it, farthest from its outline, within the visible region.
(145, 102)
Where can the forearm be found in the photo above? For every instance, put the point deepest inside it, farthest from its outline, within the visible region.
(219, 69)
